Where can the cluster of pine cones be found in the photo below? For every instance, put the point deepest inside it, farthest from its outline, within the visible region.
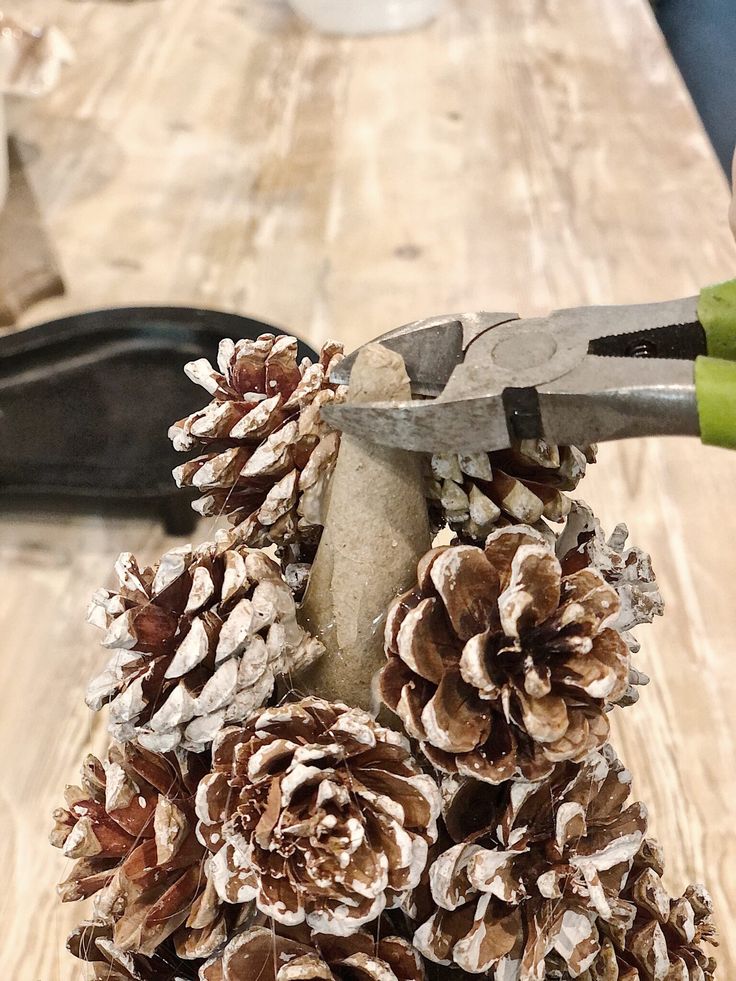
(235, 833)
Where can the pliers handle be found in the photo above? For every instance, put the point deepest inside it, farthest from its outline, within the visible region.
(715, 372)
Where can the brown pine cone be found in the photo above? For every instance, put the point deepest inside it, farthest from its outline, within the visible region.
(473, 492)
(130, 827)
(268, 455)
(92, 942)
(197, 642)
(537, 869)
(295, 955)
(667, 938)
(499, 664)
(317, 813)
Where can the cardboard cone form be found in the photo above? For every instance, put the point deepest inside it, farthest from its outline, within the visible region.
(376, 530)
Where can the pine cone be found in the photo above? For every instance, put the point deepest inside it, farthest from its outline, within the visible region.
(318, 813)
(583, 544)
(537, 868)
(130, 826)
(196, 641)
(289, 955)
(499, 664)
(667, 937)
(92, 942)
(474, 492)
(268, 453)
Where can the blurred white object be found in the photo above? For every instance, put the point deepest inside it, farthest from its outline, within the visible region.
(366, 16)
(31, 60)
(30, 65)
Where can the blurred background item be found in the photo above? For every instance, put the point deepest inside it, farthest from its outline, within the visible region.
(702, 38)
(31, 61)
(366, 16)
(29, 270)
(86, 402)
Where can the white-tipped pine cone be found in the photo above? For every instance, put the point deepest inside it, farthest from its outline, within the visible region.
(537, 871)
(130, 828)
(318, 814)
(667, 938)
(264, 954)
(197, 642)
(268, 455)
(499, 664)
(582, 543)
(476, 491)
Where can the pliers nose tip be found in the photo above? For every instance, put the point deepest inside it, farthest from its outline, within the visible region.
(431, 348)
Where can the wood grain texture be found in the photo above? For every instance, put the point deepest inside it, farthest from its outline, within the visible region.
(518, 154)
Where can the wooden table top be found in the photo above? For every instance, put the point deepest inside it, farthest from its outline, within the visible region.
(519, 154)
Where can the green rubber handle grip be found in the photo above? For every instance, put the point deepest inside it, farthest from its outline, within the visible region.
(715, 391)
(717, 314)
(715, 375)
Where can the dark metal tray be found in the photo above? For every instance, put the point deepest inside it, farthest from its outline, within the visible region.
(86, 403)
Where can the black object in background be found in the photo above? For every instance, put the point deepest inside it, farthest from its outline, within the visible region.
(702, 37)
(86, 403)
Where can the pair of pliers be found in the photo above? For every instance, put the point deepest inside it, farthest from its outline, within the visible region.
(483, 381)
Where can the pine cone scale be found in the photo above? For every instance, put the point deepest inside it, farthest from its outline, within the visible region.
(295, 955)
(455, 719)
(430, 647)
(470, 611)
(92, 942)
(532, 595)
(545, 718)
(496, 761)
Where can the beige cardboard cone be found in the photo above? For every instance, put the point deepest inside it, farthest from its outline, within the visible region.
(377, 529)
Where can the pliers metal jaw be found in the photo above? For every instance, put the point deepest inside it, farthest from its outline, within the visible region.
(581, 375)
